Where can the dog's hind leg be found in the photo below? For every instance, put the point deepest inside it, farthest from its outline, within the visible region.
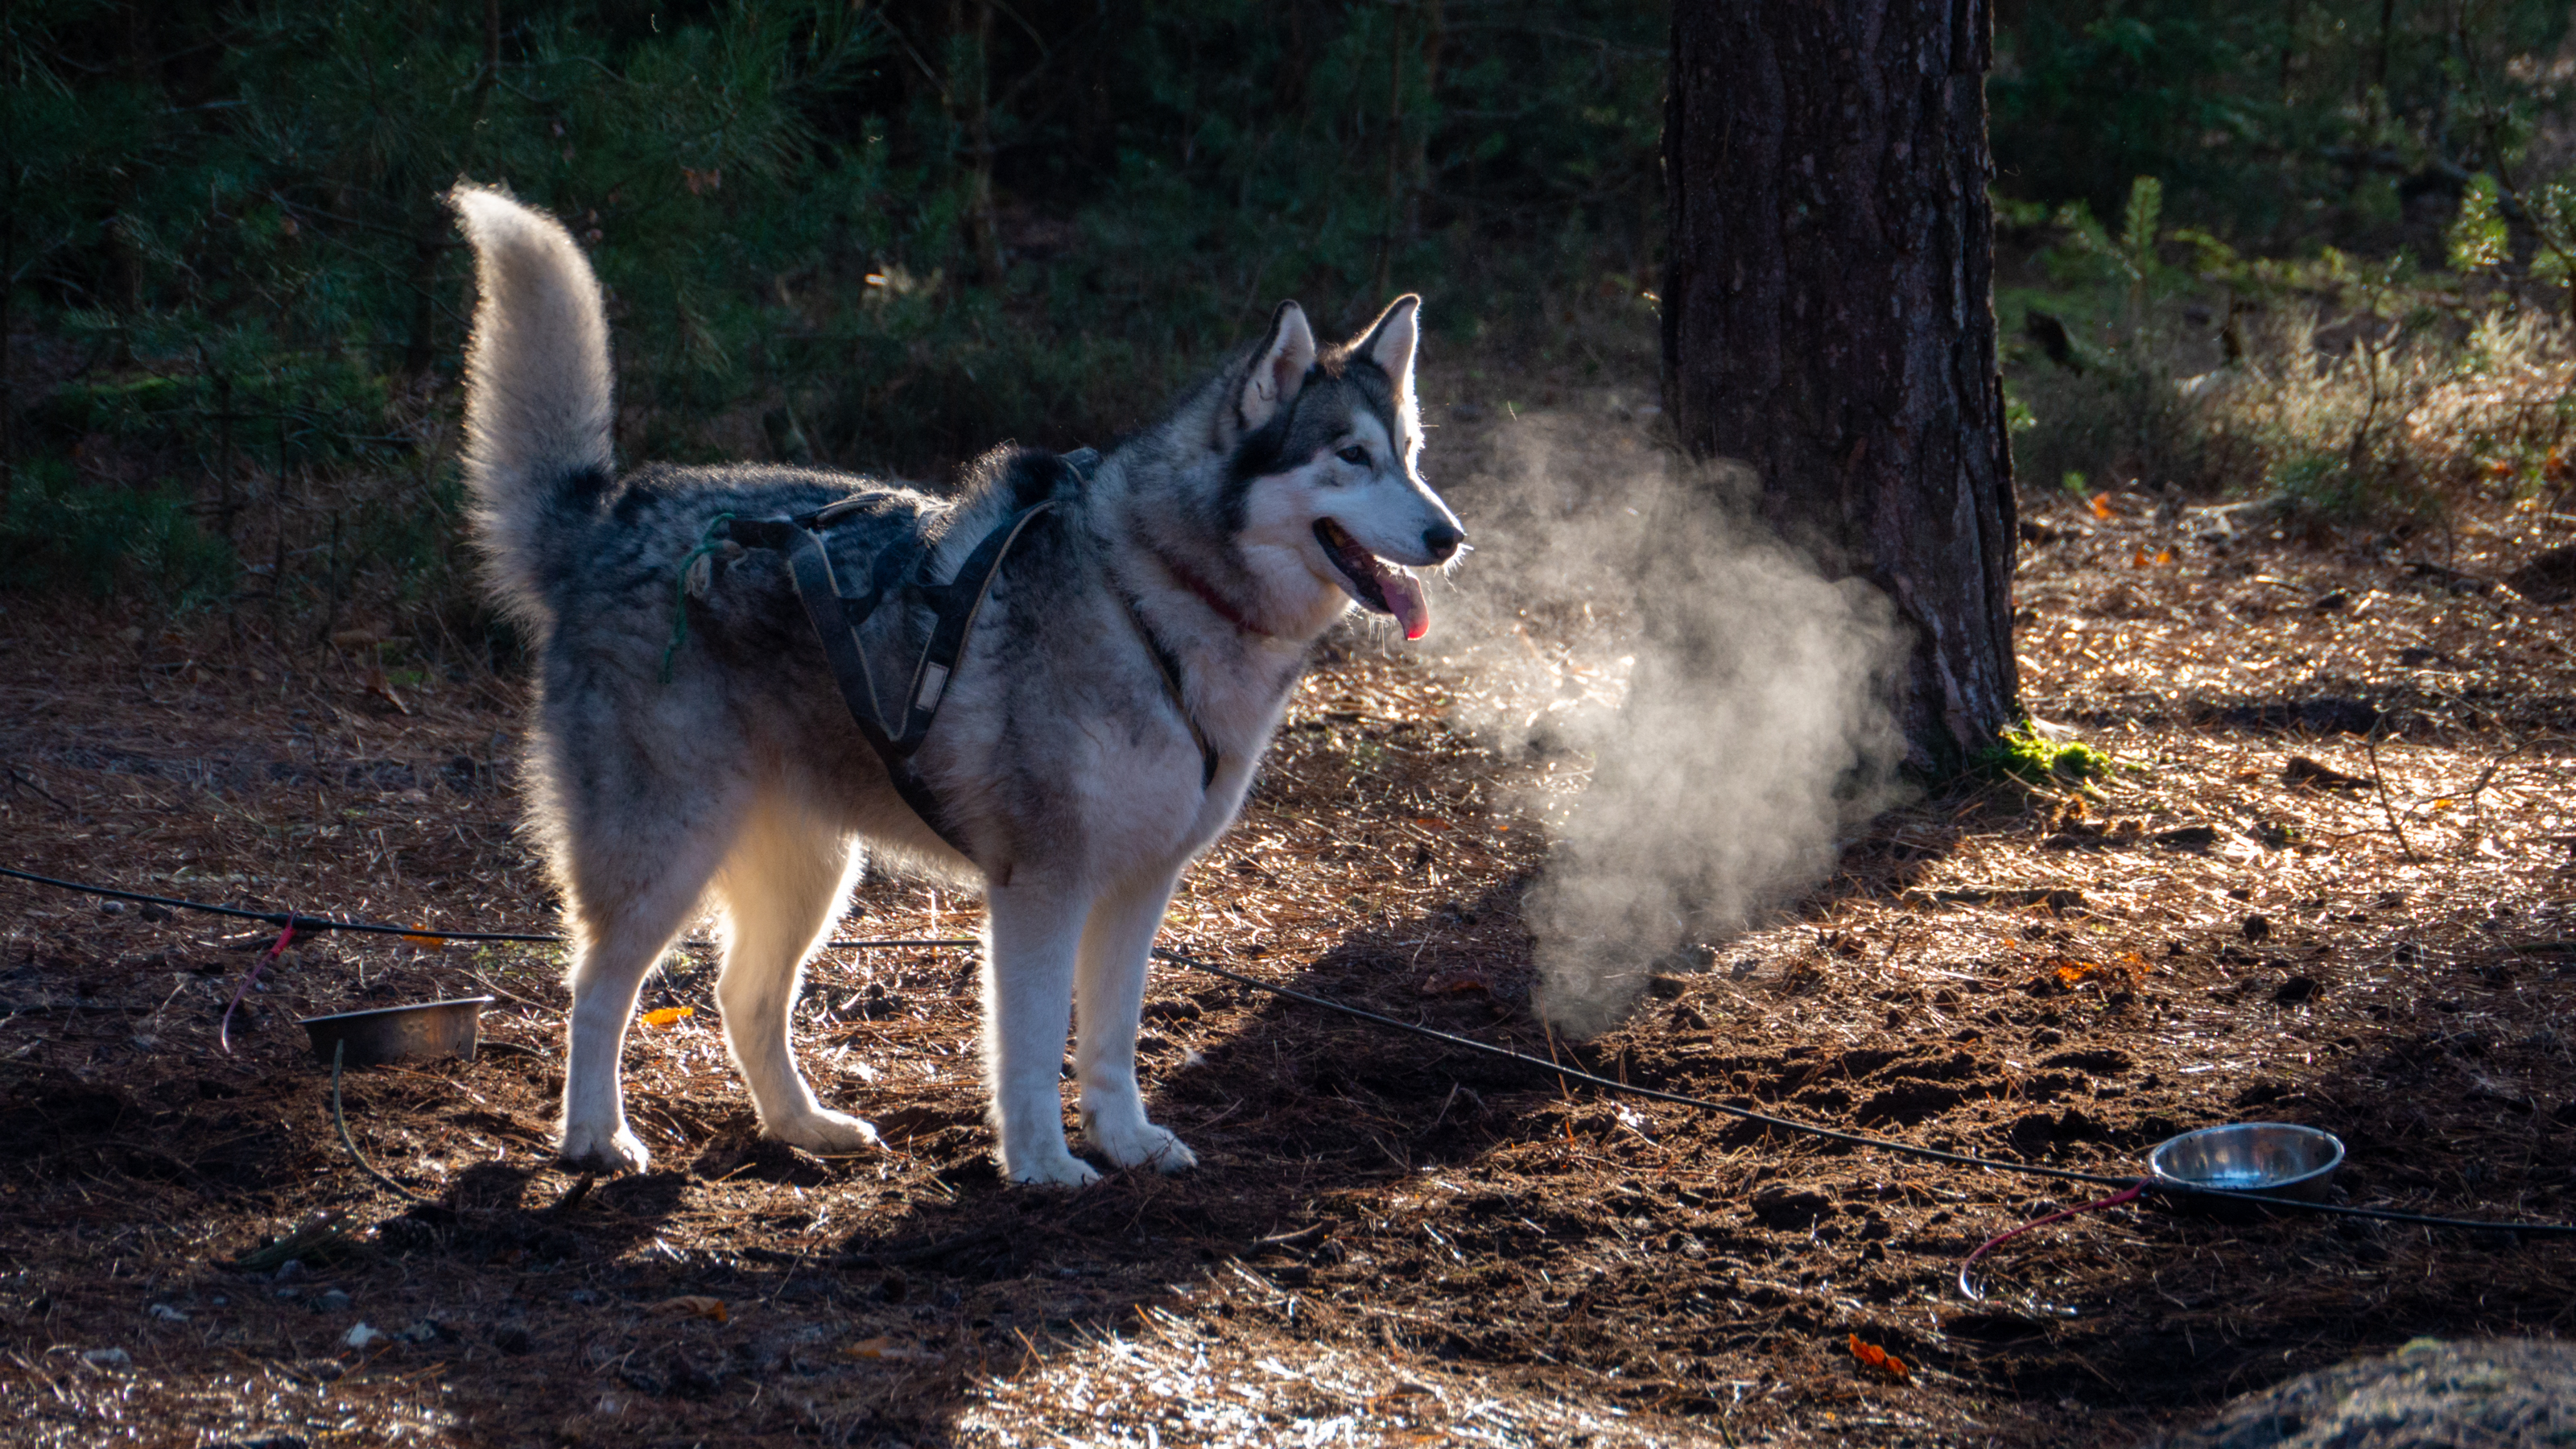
(626, 900)
(781, 885)
(1031, 933)
(1109, 992)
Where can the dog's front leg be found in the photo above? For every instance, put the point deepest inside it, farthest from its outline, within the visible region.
(1031, 933)
(1111, 991)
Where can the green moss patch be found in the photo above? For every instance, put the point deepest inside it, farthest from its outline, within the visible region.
(2026, 758)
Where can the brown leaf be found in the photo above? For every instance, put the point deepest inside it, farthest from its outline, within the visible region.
(383, 688)
(2303, 771)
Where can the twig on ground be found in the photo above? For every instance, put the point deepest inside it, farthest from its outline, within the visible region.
(2487, 775)
(2379, 778)
(498, 990)
(16, 778)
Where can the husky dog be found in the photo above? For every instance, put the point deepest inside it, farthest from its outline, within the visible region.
(1119, 685)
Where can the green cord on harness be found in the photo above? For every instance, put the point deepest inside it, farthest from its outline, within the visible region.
(707, 543)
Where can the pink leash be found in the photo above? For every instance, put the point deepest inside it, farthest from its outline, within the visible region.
(2126, 1194)
(224, 1032)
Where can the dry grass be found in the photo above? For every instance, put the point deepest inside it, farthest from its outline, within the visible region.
(2345, 414)
(1385, 1244)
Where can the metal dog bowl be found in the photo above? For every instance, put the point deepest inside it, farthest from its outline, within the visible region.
(2278, 1159)
(430, 1029)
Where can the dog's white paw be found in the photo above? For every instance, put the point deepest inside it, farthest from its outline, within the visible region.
(592, 1149)
(1142, 1145)
(828, 1133)
(1059, 1168)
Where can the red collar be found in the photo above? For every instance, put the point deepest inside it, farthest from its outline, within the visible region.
(1224, 608)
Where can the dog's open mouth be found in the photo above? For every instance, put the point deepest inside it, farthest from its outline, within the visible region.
(1374, 582)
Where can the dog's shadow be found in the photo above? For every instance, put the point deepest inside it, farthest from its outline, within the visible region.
(1303, 1084)
(1284, 1104)
(534, 1214)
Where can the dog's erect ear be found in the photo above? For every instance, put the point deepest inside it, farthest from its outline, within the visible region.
(1390, 342)
(1278, 369)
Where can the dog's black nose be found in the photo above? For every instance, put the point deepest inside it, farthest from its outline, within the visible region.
(1441, 540)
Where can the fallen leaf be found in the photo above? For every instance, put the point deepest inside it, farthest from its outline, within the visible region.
(2101, 505)
(421, 940)
(668, 1015)
(383, 688)
(692, 1305)
(2304, 771)
(1879, 1359)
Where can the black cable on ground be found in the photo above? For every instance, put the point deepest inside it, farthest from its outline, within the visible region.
(309, 925)
(338, 1049)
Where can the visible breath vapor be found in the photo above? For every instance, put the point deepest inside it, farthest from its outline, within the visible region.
(1753, 730)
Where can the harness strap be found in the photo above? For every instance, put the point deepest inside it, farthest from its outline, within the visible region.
(1169, 667)
(811, 568)
(836, 618)
(956, 603)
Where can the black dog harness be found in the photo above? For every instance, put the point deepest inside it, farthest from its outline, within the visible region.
(837, 618)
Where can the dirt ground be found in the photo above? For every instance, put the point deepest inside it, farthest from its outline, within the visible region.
(1387, 1241)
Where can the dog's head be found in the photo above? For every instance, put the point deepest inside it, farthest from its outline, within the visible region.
(1321, 481)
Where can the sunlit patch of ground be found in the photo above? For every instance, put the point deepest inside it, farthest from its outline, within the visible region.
(1252, 1380)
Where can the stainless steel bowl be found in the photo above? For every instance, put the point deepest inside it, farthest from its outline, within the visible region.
(430, 1029)
(2277, 1159)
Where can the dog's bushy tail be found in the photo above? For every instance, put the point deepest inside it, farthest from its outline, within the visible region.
(538, 403)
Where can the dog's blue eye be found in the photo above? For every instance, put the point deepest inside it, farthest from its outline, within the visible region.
(1355, 455)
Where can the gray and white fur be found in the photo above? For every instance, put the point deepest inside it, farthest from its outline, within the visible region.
(1234, 532)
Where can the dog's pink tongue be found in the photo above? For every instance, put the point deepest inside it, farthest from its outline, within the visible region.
(1404, 600)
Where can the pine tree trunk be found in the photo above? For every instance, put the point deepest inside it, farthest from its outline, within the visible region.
(1829, 317)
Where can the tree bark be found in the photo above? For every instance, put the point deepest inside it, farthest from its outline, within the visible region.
(1829, 317)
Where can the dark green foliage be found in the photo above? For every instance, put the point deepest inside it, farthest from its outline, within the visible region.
(916, 228)
(2108, 409)
(2354, 121)
(804, 195)
(60, 532)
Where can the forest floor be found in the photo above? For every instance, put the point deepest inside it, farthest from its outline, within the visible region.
(1387, 1241)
